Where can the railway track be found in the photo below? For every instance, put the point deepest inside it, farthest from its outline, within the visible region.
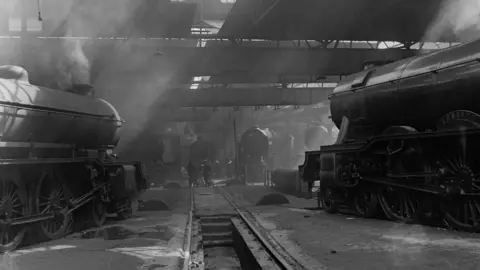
(221, 235)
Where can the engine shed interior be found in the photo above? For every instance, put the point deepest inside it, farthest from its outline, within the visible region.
(122, 96)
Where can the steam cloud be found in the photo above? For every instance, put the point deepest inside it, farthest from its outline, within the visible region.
(87, 18)
(73, 67)
(457, 18)
(122, 73)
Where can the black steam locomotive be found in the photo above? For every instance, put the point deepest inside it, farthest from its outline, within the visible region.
(409, 140)
(56, 164)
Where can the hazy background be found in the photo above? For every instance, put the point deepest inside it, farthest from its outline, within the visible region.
(133, 75)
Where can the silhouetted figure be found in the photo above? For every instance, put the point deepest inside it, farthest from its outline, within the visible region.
(192, 174)
(184, 172)
(207, 173)
(230, 168)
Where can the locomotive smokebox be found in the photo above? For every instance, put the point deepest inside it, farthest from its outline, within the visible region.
(254, 143)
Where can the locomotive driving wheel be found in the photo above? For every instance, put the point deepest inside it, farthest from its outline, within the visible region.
(463, 214)
(13, 205)
(462, 181)
(328, 200)
(127, 210)
(98, 212)
(51, 198)
(460, 173)
(399, 205)
(366, 202)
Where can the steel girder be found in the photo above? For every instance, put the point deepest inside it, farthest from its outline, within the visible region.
(226, 97)
(225, 61)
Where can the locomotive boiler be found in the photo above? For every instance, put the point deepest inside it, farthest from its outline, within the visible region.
(409, 140)
(56, 162)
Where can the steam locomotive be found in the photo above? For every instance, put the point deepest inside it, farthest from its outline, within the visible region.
(253, 150)
(200, 150)
(56, 165)
(261, 149)
(409, 140)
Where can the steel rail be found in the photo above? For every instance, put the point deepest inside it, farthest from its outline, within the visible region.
(281, 262)
(187, 249)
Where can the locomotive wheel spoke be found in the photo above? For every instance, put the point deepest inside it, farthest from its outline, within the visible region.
(51, 199)
(461, 175)
(98, 212)
(12, 205)
(399, 205)
(127, 212)
(327, 199)
(463, 215)
(366, 203)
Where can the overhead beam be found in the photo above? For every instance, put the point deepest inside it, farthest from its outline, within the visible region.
(216, 61)
(151, 19)
(222, 61)
(184, 115)
(250, 78)
(265, 96)
(207, 84)
(305, 115)
(341, 20)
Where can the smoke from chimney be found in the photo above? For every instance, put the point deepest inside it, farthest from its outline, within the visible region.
(457, 18)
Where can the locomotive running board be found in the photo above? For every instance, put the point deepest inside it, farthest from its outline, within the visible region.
(361, 146)
(27, 152)
(43, 161)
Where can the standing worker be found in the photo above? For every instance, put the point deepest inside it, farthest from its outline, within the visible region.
(230, 169)
(207, 173)
(192, 176)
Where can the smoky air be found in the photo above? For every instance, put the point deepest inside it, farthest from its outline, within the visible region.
(132, 79)
(458, 18)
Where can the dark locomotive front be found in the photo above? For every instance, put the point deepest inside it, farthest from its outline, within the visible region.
(409, 140)
(262, 151)
(253, 154)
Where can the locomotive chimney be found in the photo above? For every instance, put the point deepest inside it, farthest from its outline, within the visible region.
(82, 89)
(9, 72)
